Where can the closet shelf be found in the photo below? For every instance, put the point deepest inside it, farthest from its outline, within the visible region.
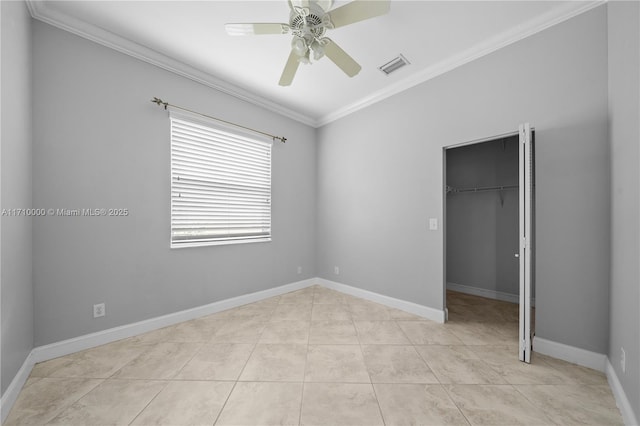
(451, 189)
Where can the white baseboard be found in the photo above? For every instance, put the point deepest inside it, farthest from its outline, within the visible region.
(437, 315)
(66, 347)
(625, 407)
(593, 360)
(482, 292)
(87, 341)
(489, 294)
(10, 395)
(571, 354)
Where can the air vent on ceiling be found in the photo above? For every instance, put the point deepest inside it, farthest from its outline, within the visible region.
(394, 64)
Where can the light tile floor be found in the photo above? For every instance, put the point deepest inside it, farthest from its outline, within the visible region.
(319, 357)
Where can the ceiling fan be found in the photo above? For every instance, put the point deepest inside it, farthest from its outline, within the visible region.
(309, 20)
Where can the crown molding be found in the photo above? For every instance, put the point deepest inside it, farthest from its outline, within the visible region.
(529, 28)
(41, 12)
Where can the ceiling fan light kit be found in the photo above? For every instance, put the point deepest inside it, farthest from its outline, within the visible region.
(309, 21)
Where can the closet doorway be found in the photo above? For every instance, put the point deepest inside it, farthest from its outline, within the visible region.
(489, 229)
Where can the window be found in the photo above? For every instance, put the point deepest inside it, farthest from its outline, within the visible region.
(220, 184)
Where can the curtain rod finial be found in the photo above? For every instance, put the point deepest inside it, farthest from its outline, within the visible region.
(159, 102)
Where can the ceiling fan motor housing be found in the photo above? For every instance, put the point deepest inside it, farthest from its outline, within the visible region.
(311, 22)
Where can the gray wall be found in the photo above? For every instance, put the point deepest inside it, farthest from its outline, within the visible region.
(100, 143)
(15, 178)
(381, 176)
(624, 115)
(482, 227)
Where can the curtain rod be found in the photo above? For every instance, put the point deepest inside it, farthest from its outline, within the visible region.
(160, 102)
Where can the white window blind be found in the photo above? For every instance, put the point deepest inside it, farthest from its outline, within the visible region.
(220, 184)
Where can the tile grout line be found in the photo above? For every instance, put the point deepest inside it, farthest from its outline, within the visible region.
(149, 403)
(306, 357)
(373, 388)
(529, 400)
(242, 370)
(172, 379)
(440, 384)
(71, 403)
(447, 391)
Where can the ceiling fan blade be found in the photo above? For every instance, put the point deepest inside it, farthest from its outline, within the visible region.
(289, 70)
(256, 29)
(341, 59)
(358, 10)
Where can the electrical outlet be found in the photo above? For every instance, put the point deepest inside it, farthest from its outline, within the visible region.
(336, 270)
(299, 269)
(99, 310)
(623, 359)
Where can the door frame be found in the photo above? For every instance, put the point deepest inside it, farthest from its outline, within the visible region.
(526, 214)
(445, 148)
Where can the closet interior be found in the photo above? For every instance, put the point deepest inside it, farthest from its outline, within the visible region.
(482, 231)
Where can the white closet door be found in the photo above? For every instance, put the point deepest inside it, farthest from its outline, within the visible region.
(526, 239)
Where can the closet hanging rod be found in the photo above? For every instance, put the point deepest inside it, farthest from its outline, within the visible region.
(481, 189)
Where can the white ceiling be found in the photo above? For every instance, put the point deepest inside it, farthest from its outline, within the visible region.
(189, 37)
